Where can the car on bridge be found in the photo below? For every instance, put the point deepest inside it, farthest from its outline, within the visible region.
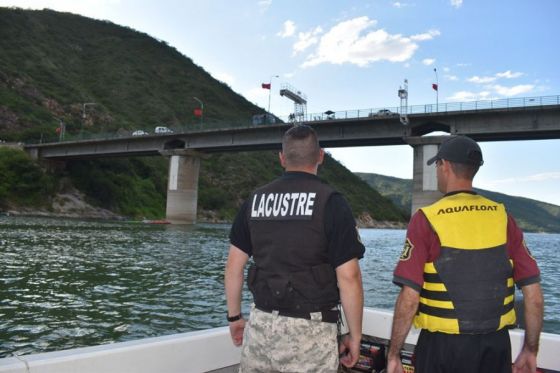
(139, 133)
(267, 118)
(382, 113)
(162, 130)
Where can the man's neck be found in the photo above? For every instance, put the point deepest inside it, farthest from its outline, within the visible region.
(309, 170)
(459, 185)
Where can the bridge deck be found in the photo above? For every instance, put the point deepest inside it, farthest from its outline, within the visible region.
(502, 124)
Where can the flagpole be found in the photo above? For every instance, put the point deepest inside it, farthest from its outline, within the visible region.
(201, 109)
(270, 90)
(437, 90)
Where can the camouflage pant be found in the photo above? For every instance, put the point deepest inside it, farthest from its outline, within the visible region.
(273, 343)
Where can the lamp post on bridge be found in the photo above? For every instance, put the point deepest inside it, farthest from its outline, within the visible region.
(61, 130)
(201, 110)
(270, 90)
(84, 105)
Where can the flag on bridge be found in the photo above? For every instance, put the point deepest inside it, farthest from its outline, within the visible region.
(265, 85)
(434, 86)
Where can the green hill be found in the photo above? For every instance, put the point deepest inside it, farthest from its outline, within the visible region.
(399, 191)
(52, 63)
(531, 215)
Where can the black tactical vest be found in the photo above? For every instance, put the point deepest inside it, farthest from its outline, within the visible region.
(286, 222)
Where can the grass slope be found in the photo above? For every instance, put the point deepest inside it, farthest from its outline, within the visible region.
(52, 63)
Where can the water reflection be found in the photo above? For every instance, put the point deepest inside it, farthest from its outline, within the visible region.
(67, 283)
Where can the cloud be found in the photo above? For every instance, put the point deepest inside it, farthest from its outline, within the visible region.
(489, 79)
(512, 91)
(306, 39)
(509, 75)
(491, 92)
(428, 61)
(546, 176)
(481, 80)
(264, 5)
(451, 77)
(426, 36)
(288, 30)
(354, 42)
(456, 3)
(463, 96)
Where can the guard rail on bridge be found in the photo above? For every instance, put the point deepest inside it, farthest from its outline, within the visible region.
(427, 109)
(505, 103)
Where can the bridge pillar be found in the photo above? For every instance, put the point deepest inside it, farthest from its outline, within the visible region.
(424, 180)
(182, 187)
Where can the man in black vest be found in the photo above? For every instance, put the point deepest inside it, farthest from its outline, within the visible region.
(305, 247)
(462, 256)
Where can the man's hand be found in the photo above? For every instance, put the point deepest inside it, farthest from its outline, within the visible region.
(233, 281)
(394, 365)
(526, 362)
(534, 306)
(236, 330)
(350, 348)
(405, 309)
(349, 279)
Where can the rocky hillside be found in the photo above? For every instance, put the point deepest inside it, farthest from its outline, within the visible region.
(98, 77)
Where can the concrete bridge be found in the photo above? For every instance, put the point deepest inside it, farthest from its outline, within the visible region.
(527, 122)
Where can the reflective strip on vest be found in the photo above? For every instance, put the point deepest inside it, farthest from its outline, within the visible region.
(468, 289)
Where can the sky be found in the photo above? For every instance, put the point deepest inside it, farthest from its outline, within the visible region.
(355, 54)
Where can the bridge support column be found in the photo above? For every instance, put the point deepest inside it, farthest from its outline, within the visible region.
(182, 187)
(424, 188)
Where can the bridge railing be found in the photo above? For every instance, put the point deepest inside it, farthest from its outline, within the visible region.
(505, 103)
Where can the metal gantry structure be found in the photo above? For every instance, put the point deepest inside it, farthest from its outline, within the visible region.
(403, 95)
(300, 102)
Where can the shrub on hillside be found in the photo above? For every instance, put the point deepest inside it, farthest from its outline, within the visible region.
(22, 181)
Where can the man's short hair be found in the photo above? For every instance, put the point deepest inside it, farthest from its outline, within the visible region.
(300, 146)
(464, 170)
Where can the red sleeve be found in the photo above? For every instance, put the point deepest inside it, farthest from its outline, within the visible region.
(525, 269)
(421, 246)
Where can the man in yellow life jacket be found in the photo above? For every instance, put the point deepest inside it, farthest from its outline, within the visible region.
(462, 257)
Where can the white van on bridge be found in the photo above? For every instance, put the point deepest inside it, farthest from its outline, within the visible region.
(162, 130)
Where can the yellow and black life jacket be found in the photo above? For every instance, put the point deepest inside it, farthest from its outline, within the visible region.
(468, 289)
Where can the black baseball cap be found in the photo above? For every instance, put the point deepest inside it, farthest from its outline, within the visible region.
(459, 149)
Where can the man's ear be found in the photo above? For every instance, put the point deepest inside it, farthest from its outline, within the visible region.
(282, 160)
(321, 156)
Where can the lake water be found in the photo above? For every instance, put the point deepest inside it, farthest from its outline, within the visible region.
(69, 283)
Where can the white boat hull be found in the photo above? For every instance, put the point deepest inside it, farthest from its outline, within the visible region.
(207, 350)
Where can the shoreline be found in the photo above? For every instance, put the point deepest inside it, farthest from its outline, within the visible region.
(110, 216)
